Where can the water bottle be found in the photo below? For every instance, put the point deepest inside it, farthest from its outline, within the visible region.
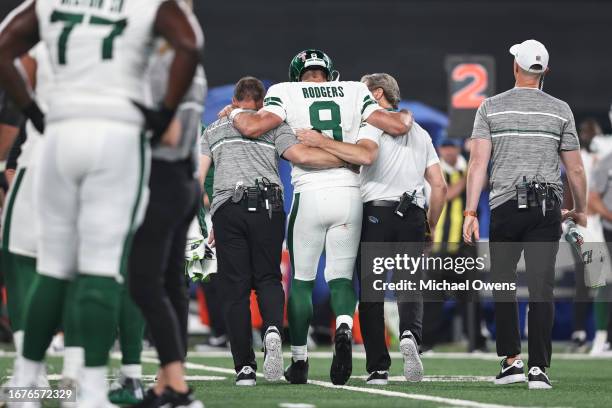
(591, 254)
(573, 236)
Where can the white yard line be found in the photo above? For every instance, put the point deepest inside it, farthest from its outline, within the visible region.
(375, 391)
(438, 378)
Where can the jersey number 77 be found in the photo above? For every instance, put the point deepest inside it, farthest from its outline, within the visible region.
(71, 20)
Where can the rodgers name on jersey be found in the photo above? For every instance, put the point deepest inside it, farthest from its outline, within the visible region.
(337, 109)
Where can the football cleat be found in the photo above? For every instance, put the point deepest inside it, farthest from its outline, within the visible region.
(311, 58)
(538, 380)
(246, 377)
(413, 367)
(510, 373)
(273, 355)
(126, 391)
(342, 362)
(297, 372)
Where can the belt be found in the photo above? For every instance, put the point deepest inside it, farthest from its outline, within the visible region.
(382, 203)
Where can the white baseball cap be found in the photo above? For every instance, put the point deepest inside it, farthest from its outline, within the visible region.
(530, 53)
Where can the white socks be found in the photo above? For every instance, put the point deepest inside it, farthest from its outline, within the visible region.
(92, 385)
(74, 358)
(299, 353)
(26, 372)
(344, 319)
(131, 371)
(18, 340)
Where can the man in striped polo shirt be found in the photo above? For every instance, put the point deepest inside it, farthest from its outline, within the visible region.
(525, 133)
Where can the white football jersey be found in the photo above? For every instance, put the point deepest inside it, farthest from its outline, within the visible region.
(336, 108)
(99, 51)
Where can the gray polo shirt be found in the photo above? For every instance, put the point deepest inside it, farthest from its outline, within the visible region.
(528, 129)
(601, 182)
(239, 159)
(188, 113)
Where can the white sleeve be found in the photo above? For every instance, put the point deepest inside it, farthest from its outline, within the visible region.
(432, 155)
(275, 100)
(369, 132)
(367, 104)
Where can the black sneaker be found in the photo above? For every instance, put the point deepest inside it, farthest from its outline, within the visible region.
(342, 363)
(378, 378)
(413, 366)
(297, 372)
(538, 380)
(150, 400)
(246, 377)
(174, 399)
(510, 373)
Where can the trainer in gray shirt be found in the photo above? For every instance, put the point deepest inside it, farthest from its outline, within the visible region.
(241, 160)
(528, 129)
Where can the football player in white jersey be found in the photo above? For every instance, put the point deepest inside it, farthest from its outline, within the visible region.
(18, 222)
(326, 211)
(93, 166)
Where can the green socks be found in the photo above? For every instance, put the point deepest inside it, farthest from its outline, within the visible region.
(343, 302)
(19, 272)
(342, 297)
(72, 337)
(131, 330)
(43, 315)
(300, 311)
(98, 300)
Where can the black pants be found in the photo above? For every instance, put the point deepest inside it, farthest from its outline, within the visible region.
(249, 247)
(380, 224)
(157, 263)
(529, 226)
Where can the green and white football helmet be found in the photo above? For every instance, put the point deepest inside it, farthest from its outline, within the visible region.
(311, 58)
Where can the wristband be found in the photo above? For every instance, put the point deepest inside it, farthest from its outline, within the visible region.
(470, 213)
(235, 112)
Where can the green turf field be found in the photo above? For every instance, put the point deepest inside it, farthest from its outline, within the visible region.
(451, 380)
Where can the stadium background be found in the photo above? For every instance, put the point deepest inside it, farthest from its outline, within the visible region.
(410, 39)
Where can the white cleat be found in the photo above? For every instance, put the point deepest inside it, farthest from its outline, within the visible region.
(413, 367)
(273, 355)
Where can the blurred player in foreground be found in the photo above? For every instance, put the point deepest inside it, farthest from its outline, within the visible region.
(94, 162)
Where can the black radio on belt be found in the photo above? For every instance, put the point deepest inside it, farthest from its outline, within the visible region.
(252, 194)
(522, 194)
(263, 193)
(404, 203)
(535, 194)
